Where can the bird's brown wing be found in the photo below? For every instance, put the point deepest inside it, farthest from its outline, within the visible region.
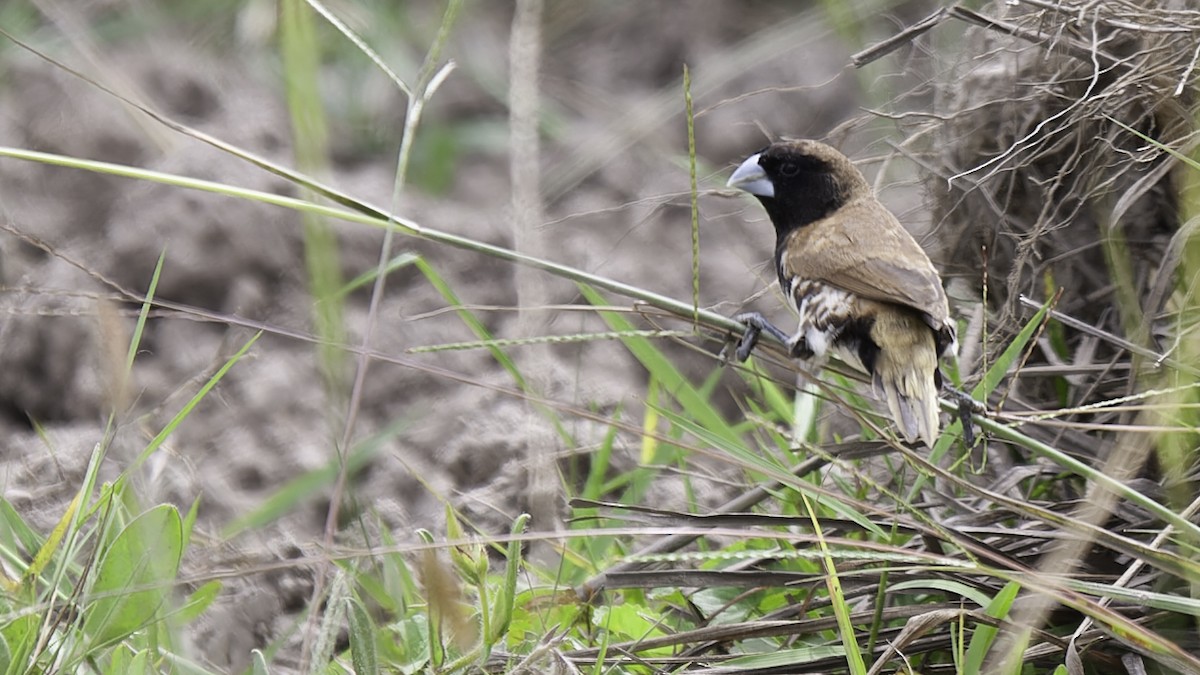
(863, 249)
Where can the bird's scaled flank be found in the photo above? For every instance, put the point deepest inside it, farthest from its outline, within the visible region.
(861, 285)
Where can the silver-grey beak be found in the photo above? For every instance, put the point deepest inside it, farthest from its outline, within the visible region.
(749, 176)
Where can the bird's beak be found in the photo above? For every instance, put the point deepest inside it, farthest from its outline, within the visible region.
(749, 176)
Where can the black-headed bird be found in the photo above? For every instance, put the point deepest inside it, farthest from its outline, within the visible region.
(861, 285)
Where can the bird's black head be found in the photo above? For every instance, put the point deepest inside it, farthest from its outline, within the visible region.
(799, 182)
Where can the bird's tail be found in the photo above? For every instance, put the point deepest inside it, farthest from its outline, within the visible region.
(905, 374)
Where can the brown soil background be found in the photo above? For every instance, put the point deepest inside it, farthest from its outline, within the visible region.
(615, 184)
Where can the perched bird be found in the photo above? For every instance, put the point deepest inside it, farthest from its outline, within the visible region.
(862, 286)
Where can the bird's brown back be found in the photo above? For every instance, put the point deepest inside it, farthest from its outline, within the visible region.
(863, 249)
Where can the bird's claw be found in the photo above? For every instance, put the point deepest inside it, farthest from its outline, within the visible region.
(756, 324)
(967, 406)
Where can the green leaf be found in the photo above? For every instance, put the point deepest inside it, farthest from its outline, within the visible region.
(19, 637)
(628, 621)
(14, 529)
(140, 663)
(363, 652)
(189, 522)
(593, 486)
(199, 601)
(5, 655)
(777, 400)
(121, 660)
(147, 305)
(134, 577)
(999, 369)
(412, 637)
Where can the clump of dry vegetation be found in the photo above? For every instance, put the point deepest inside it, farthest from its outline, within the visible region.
(1052, 169)
(1058, 172)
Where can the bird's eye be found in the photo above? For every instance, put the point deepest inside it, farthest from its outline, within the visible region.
(789, 169)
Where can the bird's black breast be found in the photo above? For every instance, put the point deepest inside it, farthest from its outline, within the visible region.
(855, 338)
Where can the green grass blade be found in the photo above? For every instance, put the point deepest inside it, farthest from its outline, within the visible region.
(984, 636)
(508, 593)
(21, 635)
(304, 486)
(143, 314)
(258, 665)
(696, 406)
(162, 436)
(991, 379)
(443, 288)
(396, 263)
(955, 588)
(358, 211)
(777, 400)
(300, 52)
(50, 547)
(487, 340)
(198, 602)
(837, 599)
(15, 536)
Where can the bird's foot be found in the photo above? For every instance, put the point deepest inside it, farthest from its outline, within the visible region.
(756, 325)
(967, 406)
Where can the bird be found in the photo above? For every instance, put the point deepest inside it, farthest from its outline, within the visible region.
(863, 289)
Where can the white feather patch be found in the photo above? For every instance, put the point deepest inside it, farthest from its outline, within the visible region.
(822, 310)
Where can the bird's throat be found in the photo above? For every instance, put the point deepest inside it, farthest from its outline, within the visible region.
(787, 217)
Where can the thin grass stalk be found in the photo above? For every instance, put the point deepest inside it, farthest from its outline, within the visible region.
(528, 214)
(695, 196)
(837, 599)
(300, 51)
